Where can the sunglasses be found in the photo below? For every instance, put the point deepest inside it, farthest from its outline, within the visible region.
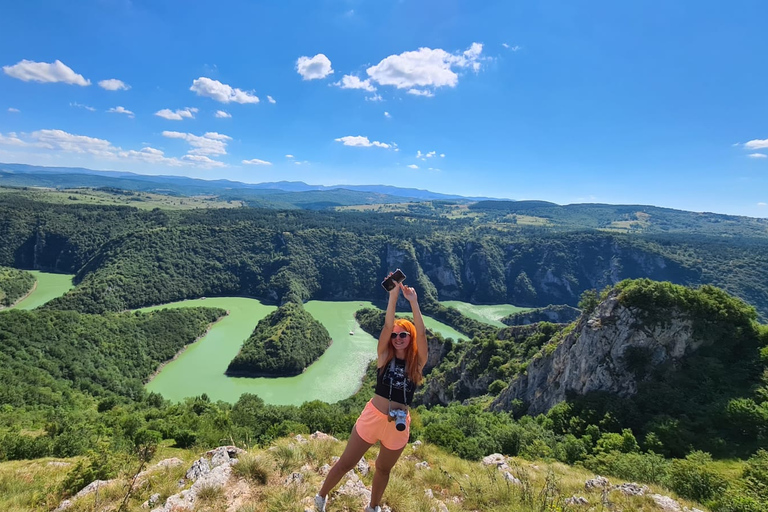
(401, 334)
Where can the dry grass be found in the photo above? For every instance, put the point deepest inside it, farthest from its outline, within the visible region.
(258, 484)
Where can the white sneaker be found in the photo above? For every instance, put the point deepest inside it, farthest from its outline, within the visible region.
(370, 509)
(319, 503)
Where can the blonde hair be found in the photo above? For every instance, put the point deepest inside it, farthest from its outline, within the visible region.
(412, 368)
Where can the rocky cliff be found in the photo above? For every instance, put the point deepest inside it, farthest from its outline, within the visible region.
(610, 350)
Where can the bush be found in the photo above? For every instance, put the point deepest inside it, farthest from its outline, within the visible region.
(648, 468)
(496, 386)
(695, 478)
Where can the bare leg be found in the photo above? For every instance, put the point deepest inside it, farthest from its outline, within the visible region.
(384, 464)
(356, 448)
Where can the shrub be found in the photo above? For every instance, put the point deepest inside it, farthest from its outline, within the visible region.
(639, 467)
(694, 477)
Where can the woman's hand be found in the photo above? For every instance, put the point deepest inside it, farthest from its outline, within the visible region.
(408, 292)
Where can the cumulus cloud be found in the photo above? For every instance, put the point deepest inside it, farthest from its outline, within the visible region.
(271, 99)
(757, 144)
(12, 140)
(424, 156)
(121, 110)
(375, 97)
(208, 144)
(177, 115)
(413, 166)
(421, 92)
(59, 140)
(86, 107)
(361, 141)
(202, 161)
(289, 156)
(256, 161)
(425, 68)
(222, 114)
(762, 205)
(113, 84)
(387, 115)
(15, 110)
(757, 155)
(221, 92)
(45, 72)
(314, 68)
(354, 82)
(442, 155)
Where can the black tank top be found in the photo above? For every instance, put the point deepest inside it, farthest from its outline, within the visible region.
(402, 387)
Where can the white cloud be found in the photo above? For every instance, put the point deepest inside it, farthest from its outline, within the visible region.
(423, 156)
(313, 68)
(421, 92)
(222, 114)
(289, 156)
(177, 115)
(757, 155)
(271, 99)
(86, 107)
(149, 155)
(28, 70)
(12, 140)
(375, 97)
(210, 143)
(353, 82)
(505, 45)
(113, 84)
(442, 155)
(361, 141)
(762, 205)
(424, 67)
(15, 110)
(221, 92)
(256, 161)
(63, 141)
(387, 115)
(203, 161)
(413, 166)
(757, 144)
(59, 140)
(121, 110)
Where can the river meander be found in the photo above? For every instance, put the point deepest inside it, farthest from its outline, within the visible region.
(200, 367)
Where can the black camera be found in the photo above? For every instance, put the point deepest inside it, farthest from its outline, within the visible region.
(398, 416)
(396, 277)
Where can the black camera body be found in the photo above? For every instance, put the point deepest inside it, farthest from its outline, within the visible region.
(390, 282)
(398, 416)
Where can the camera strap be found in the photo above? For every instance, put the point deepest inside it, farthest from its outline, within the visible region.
(391, 379)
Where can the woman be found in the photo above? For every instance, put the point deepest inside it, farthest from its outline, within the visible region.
(402, 354)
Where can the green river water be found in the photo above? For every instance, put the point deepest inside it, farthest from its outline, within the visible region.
(200, 367)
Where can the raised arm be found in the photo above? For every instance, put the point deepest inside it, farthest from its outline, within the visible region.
(389, 324)
(421, 331)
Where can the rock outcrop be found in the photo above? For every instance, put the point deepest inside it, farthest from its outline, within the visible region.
(611, 350)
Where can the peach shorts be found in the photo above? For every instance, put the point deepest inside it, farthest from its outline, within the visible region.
(373, 425)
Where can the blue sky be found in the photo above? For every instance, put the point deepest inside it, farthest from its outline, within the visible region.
(653, 102)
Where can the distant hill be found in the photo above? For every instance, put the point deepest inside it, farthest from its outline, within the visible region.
(21, 175)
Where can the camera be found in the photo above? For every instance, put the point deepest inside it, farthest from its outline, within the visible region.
(398, 416)
(396, 277)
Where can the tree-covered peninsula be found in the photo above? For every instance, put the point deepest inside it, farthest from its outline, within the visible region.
(284, 343)
(14, 284)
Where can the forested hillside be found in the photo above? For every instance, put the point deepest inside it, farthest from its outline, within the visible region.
(126, 258)
(284, 343)
(14, 284)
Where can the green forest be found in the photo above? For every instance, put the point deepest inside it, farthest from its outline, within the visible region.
(14, 285)
(284, 343)
(72, 371)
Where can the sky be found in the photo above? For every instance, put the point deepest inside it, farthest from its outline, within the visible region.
(655, 102)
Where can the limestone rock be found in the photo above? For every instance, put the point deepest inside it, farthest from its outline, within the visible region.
(576, 500)
(321, 435)
(594, 356)
(363, 467)
(597, 483)
(494, 459)
(423, 465)
(632, 489)
(199, 469)
(509, 477)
